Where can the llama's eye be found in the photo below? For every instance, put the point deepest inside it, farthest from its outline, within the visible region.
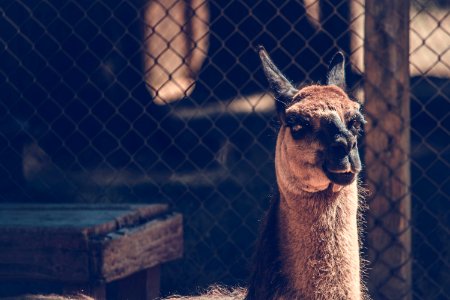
(298, 131)
(297, 127)
(355, 126)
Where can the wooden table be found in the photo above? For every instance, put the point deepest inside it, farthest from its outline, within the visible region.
(106, 251)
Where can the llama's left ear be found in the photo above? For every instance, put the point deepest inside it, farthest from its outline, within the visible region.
(281, 87)
(336, 71)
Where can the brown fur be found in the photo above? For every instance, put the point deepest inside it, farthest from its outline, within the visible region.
(215, 293)
(309, 245)
(316, 221)
(300, 162)
(321, 252)
(309, 242)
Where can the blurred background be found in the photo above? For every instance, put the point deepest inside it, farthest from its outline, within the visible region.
(164, 101)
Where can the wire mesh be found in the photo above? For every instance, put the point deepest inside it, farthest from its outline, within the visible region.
(430, 103)
(165, 101)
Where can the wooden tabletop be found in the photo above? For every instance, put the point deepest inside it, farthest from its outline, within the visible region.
(77, 243)
(87, 218)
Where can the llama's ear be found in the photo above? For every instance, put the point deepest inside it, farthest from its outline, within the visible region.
(282, 89)
(336, 71)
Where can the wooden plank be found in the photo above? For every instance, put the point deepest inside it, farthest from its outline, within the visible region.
(40, 255)
(51, 265)
(35, 238)
(133, 249)
(90, 219)
(53, 242)
(387, 147)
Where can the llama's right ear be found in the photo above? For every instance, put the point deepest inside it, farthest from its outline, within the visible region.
(282, 89)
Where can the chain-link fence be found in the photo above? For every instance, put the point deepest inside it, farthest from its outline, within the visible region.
(430, 105)
(165, 101)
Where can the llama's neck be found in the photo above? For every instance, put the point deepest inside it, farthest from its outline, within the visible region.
(309, 248)
(318, 242)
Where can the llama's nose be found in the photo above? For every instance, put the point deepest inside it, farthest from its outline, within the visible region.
(342, 146)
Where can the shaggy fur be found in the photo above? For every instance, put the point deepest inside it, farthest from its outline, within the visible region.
(309, 250)
(215, 293)
(309, 245)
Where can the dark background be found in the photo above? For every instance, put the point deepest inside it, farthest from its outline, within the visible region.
(77, 124)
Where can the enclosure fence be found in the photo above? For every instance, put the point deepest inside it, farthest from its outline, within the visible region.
(115, 101)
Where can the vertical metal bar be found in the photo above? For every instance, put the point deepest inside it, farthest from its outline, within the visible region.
(386, 84)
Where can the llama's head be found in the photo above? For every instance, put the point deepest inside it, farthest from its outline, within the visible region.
(317, 142)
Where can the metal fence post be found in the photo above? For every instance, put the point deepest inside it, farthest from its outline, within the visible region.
(387, 148)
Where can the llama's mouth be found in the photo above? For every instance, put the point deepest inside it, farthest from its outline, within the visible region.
(340, 177)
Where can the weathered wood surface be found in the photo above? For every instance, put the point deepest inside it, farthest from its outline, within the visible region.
(124, 251)
(387, 146)
(91, 219)
(88, 243)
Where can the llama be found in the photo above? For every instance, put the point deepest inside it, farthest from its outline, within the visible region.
(309, 242)
(309, 245)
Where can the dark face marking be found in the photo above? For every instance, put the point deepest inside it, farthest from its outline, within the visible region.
(336, 72)
(321, 123)
(355, 122)
(342, 162)
(299, 125)
(281, 87)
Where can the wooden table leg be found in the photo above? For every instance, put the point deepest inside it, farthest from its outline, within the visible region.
(153, 282)
(143, 285)
(96, 291)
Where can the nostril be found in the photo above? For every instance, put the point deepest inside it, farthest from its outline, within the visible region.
(353, 145)
(339, 149)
